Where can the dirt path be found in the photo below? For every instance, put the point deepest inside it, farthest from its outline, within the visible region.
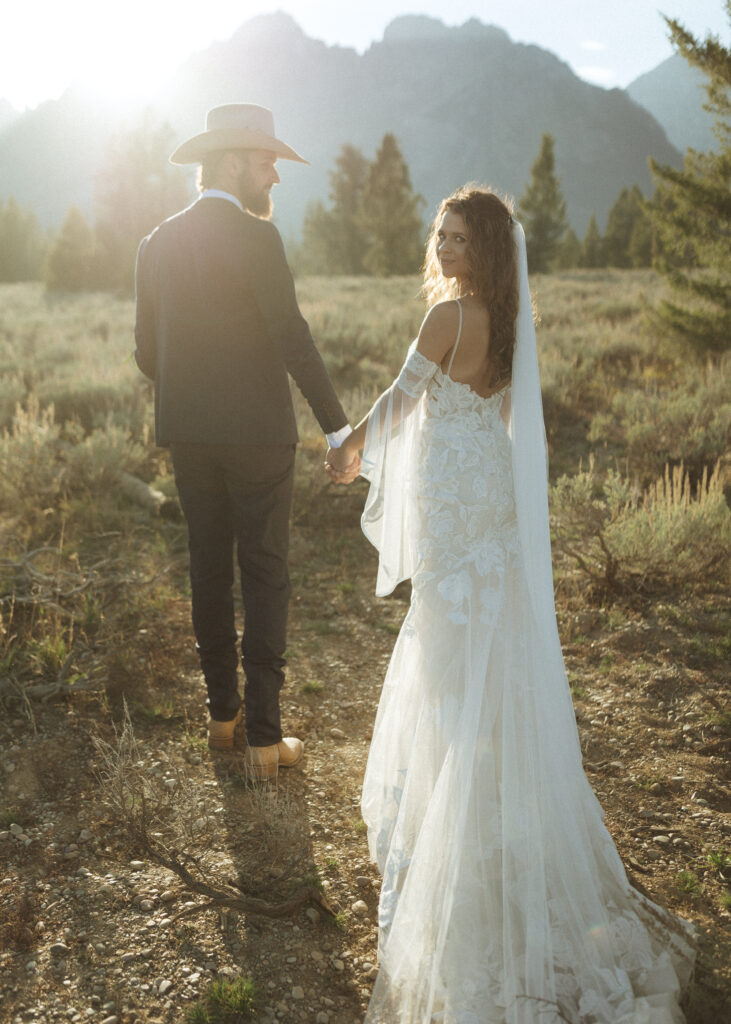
(86, 921)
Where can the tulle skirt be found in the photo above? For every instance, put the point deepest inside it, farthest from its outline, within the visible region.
(504, 900)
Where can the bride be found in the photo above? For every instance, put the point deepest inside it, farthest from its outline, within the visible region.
(504, 900)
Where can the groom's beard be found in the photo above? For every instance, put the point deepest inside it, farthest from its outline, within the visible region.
(256, 201)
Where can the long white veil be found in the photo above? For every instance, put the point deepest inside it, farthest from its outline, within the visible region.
(530, 461)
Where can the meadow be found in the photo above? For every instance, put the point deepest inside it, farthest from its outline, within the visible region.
(94, 634)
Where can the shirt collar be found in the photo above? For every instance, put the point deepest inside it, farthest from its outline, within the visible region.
(217, 193)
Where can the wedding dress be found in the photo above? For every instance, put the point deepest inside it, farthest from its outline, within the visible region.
(504, 900)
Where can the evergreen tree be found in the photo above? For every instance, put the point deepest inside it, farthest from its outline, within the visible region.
(136, 188)
(71, 264)
(625, 218)
(392, 214)
(315, 254)
(692, 213)
(569, 252)
(347, 188)
(335, 240)
(591, 249)
(640, 241)
(542, 210)
(22, 245)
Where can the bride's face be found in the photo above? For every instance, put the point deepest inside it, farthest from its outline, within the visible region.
(453, 245)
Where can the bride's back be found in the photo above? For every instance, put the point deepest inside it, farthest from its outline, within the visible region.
(471, 361)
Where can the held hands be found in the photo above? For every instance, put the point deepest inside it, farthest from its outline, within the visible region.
(341, 465)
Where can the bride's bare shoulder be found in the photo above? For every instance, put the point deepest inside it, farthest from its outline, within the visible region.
(438, 330)
(444, 312)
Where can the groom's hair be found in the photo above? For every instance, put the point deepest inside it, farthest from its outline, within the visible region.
(209, 169)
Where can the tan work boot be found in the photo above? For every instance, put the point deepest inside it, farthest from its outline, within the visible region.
(221, 734)
(264, 762)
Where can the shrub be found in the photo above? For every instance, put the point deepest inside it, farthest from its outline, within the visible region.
(93, 402)
(625, 539)
(688, 423)
(94, 462)
(225, 1002)
(31, 475)
(43, 464)
(12, 392)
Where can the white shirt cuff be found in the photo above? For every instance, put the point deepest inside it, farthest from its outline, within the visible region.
(336, 439)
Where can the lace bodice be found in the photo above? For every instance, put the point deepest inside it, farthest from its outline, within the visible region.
(464, 494)
(446, 490)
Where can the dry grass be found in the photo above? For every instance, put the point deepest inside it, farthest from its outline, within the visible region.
(94, 614)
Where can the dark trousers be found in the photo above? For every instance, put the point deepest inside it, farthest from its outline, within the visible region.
(238, 497)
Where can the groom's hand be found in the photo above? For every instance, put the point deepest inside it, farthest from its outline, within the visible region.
(340, 466)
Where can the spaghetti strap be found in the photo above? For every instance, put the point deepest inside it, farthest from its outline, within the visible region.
(459, 335)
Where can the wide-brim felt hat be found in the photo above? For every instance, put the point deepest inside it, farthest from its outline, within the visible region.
(235, 126)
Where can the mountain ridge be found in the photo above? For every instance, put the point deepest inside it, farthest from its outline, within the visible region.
(465, 102)
(673, 93)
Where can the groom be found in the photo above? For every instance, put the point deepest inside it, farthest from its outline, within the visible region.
(218, 329)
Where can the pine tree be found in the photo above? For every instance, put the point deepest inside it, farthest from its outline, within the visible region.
(542, 210)
(22, 245)
(392, 214)
(71, 264)
(640, 242)
(569, 252)
(347, 188)
(592, 254)
(314, 254)
(691, 213)
(335, 240)
(626, 219)
(136, 188)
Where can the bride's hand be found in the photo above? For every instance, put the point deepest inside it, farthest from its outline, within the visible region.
(342, 466)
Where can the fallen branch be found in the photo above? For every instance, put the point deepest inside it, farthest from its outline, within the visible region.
(220, 896)
(44, 691)
(143, 806)
(711, 748)
(56, 590)
(261, 907)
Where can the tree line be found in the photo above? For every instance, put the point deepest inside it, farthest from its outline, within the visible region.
(373, 223)
(553, 244)
(135, 188)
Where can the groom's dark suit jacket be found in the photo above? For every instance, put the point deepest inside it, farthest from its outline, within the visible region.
(218, 329)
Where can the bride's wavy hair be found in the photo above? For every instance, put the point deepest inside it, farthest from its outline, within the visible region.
(492, 260)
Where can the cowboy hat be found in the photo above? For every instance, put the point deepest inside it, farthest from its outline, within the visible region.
(234, 126)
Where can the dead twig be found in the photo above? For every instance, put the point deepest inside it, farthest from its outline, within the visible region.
(32, 586)
(221, 895)
(716, 745)
(44, 691)
(261, 907)
(144, 806)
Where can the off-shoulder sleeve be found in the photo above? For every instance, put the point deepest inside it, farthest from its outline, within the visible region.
(388, 463)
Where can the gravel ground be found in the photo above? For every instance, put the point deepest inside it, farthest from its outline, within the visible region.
(89, 927)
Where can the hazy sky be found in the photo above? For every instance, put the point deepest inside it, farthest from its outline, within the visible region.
(131, 47)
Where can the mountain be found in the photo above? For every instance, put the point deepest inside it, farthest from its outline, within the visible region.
(673, 93)
(466, 104)
(8, 114)
(50, 155)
